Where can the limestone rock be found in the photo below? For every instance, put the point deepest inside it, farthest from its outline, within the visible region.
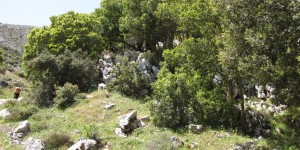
(84, 145)
(260, 91)
(127, 119)
(109, 106)
(196, 128)
(34, 144)
(23, 127)
(128, 123)
(176, 142)
(4, 113)
(145, 118)
(119, 132)
(271, 89)
(101, 86)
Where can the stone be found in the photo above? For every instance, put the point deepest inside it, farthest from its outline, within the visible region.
(145, 118)
(196, 128)
(271, 89)
(176, 42)
(244, 146)
(128, 123)
(4, 83)
(137, 123)
(109, 106)
(176, 142)
(107, 58)
(217, 79)
(23, 127)
(127, 119)
(131, 55)
(4, 113)
(260, 91)
(84, 145)
(118, 131)
(34, 144)
(159, 45)
(194, 145)
(101, 86)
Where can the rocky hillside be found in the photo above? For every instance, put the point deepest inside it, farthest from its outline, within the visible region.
(12, 40)
(14, 37)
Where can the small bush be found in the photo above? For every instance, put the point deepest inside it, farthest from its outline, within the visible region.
(91, 131)
(21, 112)
(39, 126)
(65, 96)
(56, 140)
(10, 103)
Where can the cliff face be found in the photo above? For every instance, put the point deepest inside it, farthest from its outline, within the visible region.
(12, 40)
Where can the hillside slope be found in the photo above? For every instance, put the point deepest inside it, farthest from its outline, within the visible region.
(14, 37)
(12, 40)
(88, 116)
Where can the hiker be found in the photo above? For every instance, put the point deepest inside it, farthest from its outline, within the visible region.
(17, 92)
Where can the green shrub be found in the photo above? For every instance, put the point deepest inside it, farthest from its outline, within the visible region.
(39, 126)
(65, 96)
(80, 96)
(91, 131)
(43, 95)
(184, 90)
(56, 140)
(130, 81)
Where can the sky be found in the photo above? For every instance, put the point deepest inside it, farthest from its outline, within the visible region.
(38, 12)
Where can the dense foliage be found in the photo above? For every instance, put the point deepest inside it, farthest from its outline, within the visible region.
(244, 42)
(48, 71)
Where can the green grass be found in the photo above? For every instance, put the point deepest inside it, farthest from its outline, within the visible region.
(89, 117)
(90, 112)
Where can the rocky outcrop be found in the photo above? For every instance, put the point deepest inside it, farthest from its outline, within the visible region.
(34, 144)
(21, 131)
(257, 123)
(14, 36)
(128, 124)
(147, 68)
(106, 65)
(265, 107)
